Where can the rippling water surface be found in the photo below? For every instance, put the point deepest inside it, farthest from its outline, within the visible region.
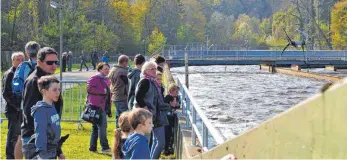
(237, 98)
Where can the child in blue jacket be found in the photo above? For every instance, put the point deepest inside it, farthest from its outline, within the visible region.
(46, 119)
(136, 146)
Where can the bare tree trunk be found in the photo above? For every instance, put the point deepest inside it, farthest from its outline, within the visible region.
(26, 12)
(41, 11)
(319, 29)
(13, 32)
(301, 20)
(102, 6)
(312, 21)
(329, 25)
(8, 16)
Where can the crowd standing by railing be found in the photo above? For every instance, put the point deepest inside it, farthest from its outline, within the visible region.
(34, 105)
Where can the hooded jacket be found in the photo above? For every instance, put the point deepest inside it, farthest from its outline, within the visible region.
(31, 95)
(47, 129)
(119, 83)
(134, 78)
(136, 147)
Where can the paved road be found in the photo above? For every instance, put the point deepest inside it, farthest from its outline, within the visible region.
(74, 75)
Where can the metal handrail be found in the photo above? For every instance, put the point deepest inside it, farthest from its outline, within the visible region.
(193, 110)
(74, 81)
(254, 55)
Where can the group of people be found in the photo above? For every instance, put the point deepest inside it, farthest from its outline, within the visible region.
(138, 95)
(67, 60)
(94, 59)
(34, 106)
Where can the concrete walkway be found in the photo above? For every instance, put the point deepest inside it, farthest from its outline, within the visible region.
(74, 75)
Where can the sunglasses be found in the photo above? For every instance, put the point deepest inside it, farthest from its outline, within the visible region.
(52, 62)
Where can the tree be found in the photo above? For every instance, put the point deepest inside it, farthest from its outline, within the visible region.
(246, 30)
(220, 28)
(339, 25)
(156, 41)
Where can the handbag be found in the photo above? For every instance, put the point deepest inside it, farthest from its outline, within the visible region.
(91, 114)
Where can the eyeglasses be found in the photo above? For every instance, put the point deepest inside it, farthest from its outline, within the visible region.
(19, 59)
(106, 68)
(152, 69)
(52, 62)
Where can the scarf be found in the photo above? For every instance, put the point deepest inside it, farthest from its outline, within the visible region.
(151, 78)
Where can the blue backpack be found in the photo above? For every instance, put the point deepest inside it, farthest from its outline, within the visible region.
(19, 79)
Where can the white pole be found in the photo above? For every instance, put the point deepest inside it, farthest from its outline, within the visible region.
(186, 69)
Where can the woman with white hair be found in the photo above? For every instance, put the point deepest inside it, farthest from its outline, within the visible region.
(147, 94)
(147, 88)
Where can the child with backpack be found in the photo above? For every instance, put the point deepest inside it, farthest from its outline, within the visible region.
(136, 146)
(25, 68)
(121, 134)
(46, 119)
(20, 75)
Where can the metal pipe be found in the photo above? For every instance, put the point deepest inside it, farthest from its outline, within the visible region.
(187, 109)
(61, 42)
(204, 136)
(186, 69)
(194, 123)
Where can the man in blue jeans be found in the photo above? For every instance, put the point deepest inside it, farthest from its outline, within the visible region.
(119, 85)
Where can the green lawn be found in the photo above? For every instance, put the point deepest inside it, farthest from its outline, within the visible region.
(74, 100)
(76, 146)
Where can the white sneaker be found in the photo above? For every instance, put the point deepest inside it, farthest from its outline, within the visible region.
(106, 151)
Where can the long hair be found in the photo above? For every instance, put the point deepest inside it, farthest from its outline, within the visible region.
(124, 126)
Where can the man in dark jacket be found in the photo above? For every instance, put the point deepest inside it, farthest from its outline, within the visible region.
(134, 78)
(12, 110)
(46, 65)
(83, 62)
(94, 58)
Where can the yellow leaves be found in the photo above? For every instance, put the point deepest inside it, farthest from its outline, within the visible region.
(122, 8)
(132, 15)
(157, 40)
(339, 25)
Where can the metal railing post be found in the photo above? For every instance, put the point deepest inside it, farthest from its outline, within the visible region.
(204, 136)
(81, 103)
(187, 109)
(194, 123)
(184, 103)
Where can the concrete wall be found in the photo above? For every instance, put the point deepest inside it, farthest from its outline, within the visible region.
(307, 74)
(315, 128)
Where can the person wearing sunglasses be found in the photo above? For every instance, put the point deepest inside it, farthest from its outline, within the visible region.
(47, 61)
